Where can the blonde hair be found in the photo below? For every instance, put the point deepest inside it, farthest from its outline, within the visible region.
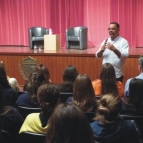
(14, 84)
(109, 107)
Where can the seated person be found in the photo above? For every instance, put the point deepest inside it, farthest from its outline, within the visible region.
(133, 104)
(69, 76)
(8, 93)
(68, 124)
(83, 94)
(10, 120)
(43, 69)
(107, 82)
(48, 96)
(108, 127)
(29, 98)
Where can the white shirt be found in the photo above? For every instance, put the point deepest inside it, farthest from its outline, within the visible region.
(110, 57)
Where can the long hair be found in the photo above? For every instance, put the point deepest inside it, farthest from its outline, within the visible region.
(109, 107)
(36, 79)
(108, 79)
(136, 95)
(48, 96)
(83, 93)
(3, 77)
(68, 124)
(69, 75)
(45, 70)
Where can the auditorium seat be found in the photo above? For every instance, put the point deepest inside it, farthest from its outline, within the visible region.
(24, 111)
(64, 96)
(76, 37)
(36, 36)
(27, 137)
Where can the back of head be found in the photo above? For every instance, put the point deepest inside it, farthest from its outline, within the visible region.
(140, 61)
(48, 96)
(68, 124)
(136, 93)
(14, 84)
(109, 107)
(45, 70)
(70, 74)
(108, 79)
(83, 93)
(36, 79)
(3, 77)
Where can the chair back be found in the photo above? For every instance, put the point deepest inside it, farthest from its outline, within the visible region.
(20, 92)
(90, 116)
(27, 137)
(64, 96)
(24, 111)
(38, 31)
(6, 137)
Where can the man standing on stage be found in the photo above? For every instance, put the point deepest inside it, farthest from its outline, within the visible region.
(114, 50)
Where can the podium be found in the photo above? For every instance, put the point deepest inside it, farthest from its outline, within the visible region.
(52, 42)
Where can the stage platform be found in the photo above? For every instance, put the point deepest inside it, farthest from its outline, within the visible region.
(56, 61)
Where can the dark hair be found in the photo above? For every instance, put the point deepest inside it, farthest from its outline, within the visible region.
(45, 70)
(70, 73)
(83, 93)
(68, 124)
(136, 95)
(36, 79)
(108, 79)
(140, 61)
(109, 107)
(48, 96)
(3, 77)
(117, 24)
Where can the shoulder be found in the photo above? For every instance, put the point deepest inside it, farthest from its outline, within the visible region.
(97, 81)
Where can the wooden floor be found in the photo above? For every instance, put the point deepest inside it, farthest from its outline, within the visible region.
(56, 61)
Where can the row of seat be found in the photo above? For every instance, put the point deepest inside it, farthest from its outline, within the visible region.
(24, 137)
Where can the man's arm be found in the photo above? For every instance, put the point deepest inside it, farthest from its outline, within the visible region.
(103, 47)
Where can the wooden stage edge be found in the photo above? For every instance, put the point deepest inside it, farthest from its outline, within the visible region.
(56, 61)
(22, 50)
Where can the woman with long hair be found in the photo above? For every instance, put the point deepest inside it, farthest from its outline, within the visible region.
(8, 93)
(134, 103)
(68, 124)
(107, 82)
(83, 94)
(69, 75)
(108, 127)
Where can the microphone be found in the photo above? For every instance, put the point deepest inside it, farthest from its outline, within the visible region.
(106, 41)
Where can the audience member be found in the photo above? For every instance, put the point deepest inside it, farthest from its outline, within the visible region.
(9, 95)
(107, 82)
(29, 98)
(10, 120)
(83, 94)
(140, 76)
(48, 96)
(134, 104)
(69, 76)
(108, 127)
(68, 124)
(42, 68)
